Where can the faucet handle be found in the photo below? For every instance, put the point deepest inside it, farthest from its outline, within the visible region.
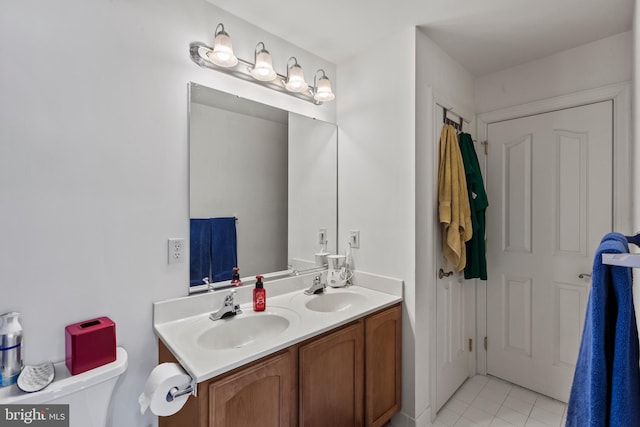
(317, 286)
(317, 282)
(228, 299)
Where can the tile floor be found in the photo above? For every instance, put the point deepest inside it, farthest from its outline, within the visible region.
(490, 402)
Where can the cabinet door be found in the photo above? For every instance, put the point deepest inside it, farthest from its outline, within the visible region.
(383, 345)
(331, 379)
(260, 395)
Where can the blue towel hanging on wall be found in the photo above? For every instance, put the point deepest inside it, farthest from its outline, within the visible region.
(200, 251)
(606, 384)
(224, 248)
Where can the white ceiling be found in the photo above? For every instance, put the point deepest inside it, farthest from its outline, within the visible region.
(483, 35)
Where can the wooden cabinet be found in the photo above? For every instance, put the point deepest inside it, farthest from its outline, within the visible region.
(259, 395)
(348, 377)
(332, 379)
(337, 368)
(383, 344)
(263, 393)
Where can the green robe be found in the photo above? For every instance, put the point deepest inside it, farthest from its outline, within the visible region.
(476, 266)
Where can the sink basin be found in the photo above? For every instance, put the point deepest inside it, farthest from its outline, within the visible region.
(334, 302)
(242, 330)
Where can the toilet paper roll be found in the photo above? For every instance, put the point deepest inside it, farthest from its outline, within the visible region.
(162, 379)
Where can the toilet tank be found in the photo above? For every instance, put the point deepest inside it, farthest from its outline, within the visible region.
(88, 394)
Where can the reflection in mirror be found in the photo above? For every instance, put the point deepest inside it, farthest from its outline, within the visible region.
(263, 182)
(313, 189)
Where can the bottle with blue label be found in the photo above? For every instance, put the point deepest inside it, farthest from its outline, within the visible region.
(10, 348)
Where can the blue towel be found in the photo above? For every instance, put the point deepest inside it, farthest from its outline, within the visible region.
(606, 384)
(200, 251)
(224, 248)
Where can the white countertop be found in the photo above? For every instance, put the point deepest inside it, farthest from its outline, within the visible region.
(181, 323)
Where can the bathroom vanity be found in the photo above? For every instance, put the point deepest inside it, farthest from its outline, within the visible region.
(336, 364)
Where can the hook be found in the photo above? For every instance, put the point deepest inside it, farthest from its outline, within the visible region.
(447, 121)
(634, 239)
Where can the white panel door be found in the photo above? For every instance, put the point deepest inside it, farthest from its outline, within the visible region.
(549, 181)
(453, 309)
(451, 352)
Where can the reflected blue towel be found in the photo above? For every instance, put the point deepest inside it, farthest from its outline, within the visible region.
(200, 251)
(224, 248)
(606, 384)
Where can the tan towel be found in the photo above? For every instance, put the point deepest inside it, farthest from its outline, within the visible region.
(453, 200)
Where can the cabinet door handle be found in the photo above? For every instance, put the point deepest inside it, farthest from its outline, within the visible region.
(583, 275)
(442, 274)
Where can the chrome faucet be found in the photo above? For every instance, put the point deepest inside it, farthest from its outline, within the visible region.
(229, 308)
(317, 287)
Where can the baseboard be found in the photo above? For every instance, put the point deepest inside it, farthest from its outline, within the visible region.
(403, 420)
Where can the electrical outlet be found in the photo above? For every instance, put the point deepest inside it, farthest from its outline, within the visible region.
(354, 238)
(176, 251)
(322, 236)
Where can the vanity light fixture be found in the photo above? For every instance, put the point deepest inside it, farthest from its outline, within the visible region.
(220, 57)
(222, 52)
(322, 88)
(295, 77)
(263, 68)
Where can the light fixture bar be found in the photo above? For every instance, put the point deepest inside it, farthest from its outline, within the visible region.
(198, 52)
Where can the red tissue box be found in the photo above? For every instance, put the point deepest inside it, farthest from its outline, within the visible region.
(90, 344)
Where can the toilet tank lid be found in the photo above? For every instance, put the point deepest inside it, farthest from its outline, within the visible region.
(64, 383)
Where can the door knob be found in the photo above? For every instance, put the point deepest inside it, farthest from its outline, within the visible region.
(442, 274)
(583, 275)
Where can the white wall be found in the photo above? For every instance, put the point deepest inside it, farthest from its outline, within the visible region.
(387, 175)
(376, 185)
(585, 67)
(238, 167)
(94, 167)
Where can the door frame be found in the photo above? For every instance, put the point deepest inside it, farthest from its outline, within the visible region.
(620, 94)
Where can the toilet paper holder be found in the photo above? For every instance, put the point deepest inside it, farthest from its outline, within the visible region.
(176, 392)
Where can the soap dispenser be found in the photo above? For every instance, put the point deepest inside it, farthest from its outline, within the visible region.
(10, 348)
(235, 279)
(259, 295)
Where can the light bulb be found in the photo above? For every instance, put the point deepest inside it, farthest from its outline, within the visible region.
(295, 79)
(323, 92)
(263, 68)
(222, 53)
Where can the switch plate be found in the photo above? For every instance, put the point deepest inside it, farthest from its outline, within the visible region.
(354, 238)
(176, 251)
(322, 236)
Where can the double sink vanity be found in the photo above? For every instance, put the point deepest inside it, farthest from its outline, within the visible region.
(328, 359)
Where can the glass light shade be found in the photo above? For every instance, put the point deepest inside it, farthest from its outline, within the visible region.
(263, 69)
(222, 54)
(323, 91)
(295, 79)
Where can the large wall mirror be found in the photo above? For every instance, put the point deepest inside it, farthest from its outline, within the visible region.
(262, 184)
